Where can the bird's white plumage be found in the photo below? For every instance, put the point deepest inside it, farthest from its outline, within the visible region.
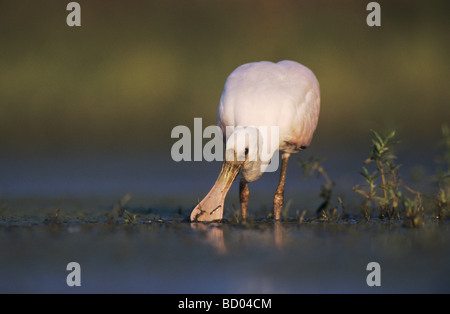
(284, 94)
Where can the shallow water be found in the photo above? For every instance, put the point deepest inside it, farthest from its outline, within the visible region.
(59, 210)
(168, 255)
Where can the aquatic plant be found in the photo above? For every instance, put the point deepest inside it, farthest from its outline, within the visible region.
(443, 174)
(118, 210)
(384, 186)
(129, 218)
(326, 211)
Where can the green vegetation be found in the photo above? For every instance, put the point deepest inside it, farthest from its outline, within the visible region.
(384, 188)
(383, 182)
(313, 167)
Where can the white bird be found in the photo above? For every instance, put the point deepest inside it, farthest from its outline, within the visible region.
(259, 96)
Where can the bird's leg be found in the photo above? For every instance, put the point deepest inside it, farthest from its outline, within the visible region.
(243, 197)
(279, 194)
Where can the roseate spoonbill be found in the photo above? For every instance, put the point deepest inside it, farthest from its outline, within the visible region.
(285, 95)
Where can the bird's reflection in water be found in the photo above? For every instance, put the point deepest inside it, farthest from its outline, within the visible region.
(213, 235)
(278, 235)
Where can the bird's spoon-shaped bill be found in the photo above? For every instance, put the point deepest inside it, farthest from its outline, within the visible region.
(211, 207)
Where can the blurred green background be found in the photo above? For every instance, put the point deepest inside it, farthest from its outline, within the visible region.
(135, 69)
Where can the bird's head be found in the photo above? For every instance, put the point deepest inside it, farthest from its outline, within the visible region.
(243, 145)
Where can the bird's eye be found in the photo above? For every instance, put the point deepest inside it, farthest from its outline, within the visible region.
(246, 151)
